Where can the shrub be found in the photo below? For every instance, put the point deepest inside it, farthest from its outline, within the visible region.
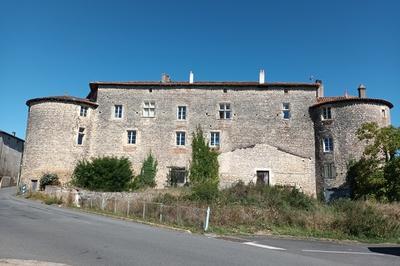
(204, 191)
(47, 180)
(103, 174)
(204, 168)
(147, 177)
(267, 196)
(359, 219)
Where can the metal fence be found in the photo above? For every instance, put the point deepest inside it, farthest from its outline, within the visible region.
(183, 216)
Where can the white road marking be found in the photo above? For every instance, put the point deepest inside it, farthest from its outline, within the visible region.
(342, 252)
(262, 246)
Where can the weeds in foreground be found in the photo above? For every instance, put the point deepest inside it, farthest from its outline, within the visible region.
(49, 200)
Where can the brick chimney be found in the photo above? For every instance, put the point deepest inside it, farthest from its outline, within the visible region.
(362, 91)
(165, 78)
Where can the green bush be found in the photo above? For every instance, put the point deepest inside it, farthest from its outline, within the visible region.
(356, 218)
(147, 177)
(204, 169)
(267, 196)
(103, 174)
(47, 180)
(205, 191)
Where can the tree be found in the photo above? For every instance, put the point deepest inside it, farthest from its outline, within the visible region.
(204, 168)
(103, 174)
(147, 177)
(376, 174)
(392, 176)
(366, 179)
(383, 141)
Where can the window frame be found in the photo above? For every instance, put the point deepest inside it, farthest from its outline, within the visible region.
(84, 111)
(329, 171)
(128, 131)
(178, 140)
(327, 147)
(223, 111)
(326, 113)
(118, 114)
(150, 106)
(286, 111)
(181, 116)
(81, 136)
(213, 145)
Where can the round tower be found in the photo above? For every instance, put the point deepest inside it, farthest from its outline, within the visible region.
(336, 121)
(57, 136)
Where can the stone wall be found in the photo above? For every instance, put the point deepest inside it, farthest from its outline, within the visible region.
(65, 193)
(11, 149)
(284, 168)
(347, 117)
(256, 119)
(51, 140)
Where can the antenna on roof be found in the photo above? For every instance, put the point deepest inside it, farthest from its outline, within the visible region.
(346, 94)
(311, 78)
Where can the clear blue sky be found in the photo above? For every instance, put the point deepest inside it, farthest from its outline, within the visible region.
(58, 47)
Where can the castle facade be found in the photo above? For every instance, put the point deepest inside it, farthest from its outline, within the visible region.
(272, 133)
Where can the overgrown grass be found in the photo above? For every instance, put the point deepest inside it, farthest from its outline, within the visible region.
(249, 209)
(49, 200)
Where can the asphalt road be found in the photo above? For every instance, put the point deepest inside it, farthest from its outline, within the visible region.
(34, 231)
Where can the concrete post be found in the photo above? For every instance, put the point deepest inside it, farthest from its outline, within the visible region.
(207, 219)
(128, 207)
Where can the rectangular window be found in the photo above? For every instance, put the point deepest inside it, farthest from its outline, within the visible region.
(81, 135)
(225, 111)
(326, 113)
(118, 111)
(84, 111)
(149, 109)
(214, 139)
(383, 113)
(328, 144)
(329, 171)
(131, 136)
(180, 138)
(177, 176)
(262, 178)
(181, 113)
(286, 110)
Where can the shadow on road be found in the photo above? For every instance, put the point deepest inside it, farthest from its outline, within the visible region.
(386, 250)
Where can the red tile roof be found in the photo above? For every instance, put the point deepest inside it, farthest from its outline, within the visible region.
(67, 99)
(339, 99)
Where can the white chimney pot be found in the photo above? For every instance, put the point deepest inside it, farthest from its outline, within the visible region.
(191, 77)
(261, 78)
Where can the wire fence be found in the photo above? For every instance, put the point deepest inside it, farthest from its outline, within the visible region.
(182, 216)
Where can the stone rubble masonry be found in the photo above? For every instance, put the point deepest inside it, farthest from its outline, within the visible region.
(256, 138)
(346, 119)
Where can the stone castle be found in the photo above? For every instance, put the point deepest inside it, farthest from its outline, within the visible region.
(272, 133)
